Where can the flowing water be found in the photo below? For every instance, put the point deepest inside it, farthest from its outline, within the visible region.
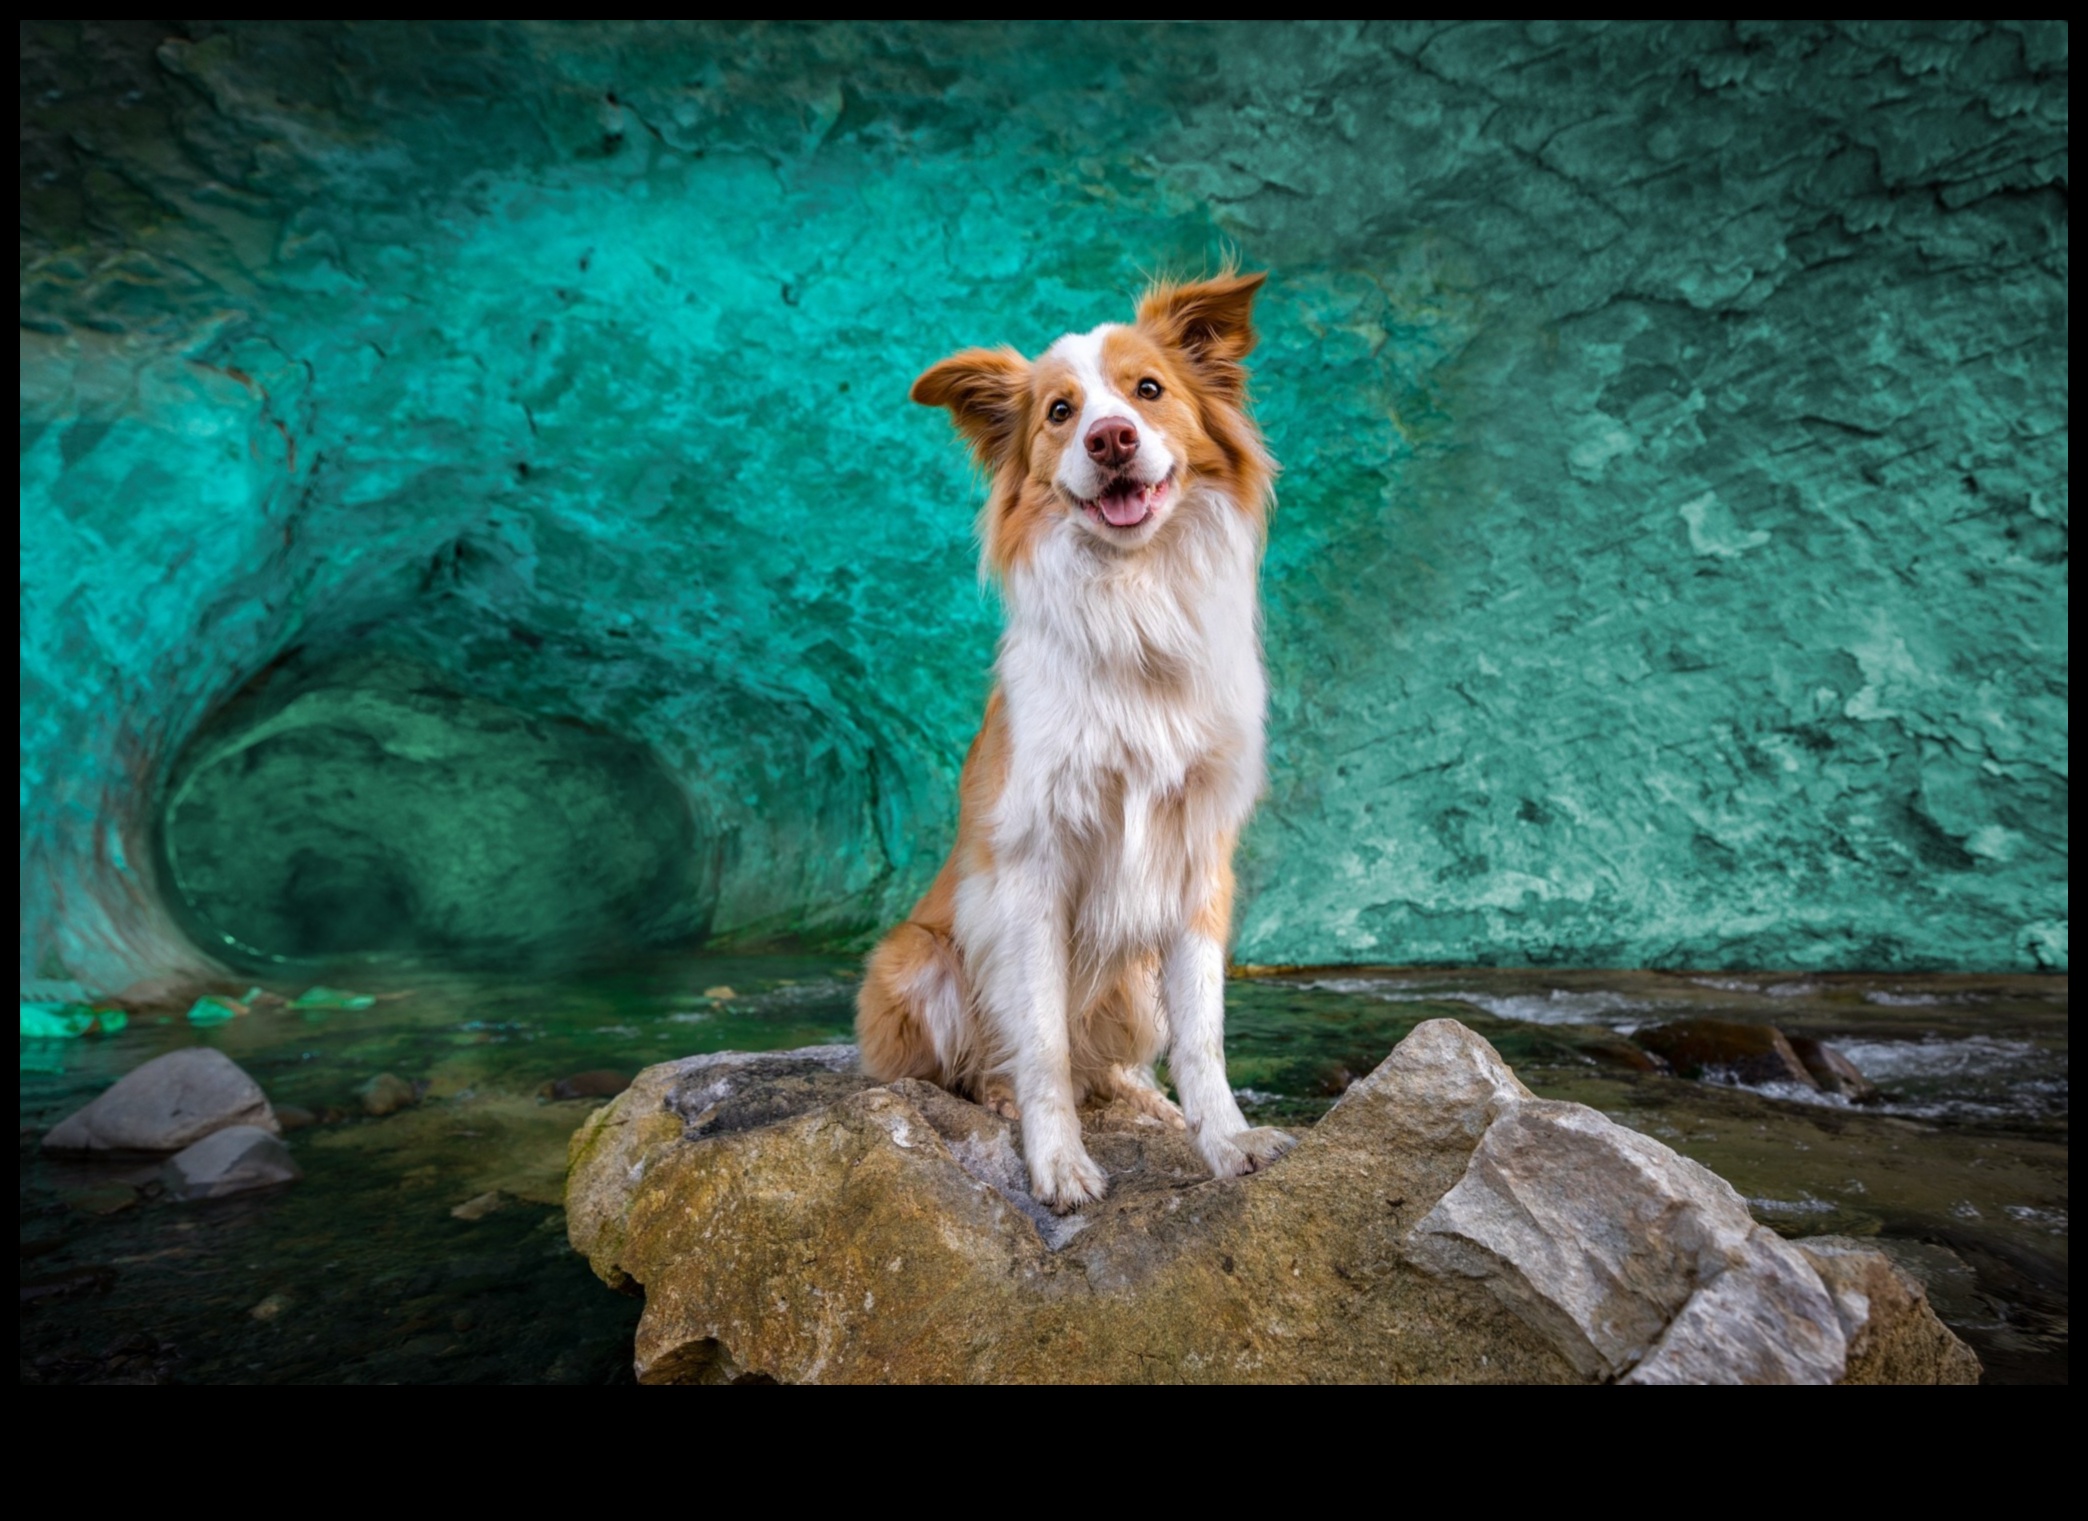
(428, 1245)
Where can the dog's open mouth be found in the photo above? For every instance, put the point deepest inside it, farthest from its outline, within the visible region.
(1127, 503)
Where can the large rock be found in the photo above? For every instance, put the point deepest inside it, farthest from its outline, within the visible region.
(788, 1219)
(171, 1102)
(229, 1161)
(1636, 1262)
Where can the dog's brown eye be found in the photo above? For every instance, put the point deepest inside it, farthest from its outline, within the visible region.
(1149, 390)
(1060, 411)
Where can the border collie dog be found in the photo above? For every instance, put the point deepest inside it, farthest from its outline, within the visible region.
(1078, 929)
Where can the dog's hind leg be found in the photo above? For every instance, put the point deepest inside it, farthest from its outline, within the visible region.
(1137, 1086)
(996, 1091)
(1125, 1031)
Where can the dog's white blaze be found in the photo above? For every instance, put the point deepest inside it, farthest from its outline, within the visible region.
(1076, 473)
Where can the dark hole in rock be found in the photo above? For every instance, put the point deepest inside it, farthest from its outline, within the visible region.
(366, 806)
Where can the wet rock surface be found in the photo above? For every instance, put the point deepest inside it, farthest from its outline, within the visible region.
(791, 1221)
(1832, 1071)
(1725, 1050)
(166, 1104)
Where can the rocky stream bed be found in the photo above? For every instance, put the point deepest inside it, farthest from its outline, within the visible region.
(415, 1230)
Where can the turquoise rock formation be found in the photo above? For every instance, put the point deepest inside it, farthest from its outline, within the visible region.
(1671, 560)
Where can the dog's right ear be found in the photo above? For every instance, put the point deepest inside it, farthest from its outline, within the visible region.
(987, 392)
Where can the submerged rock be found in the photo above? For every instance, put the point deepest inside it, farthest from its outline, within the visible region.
(229, 1161)
(791, 1220)
(480, 1205)
(600, 1083)
(507, 1143)
(101, 1198)
(1725, 1050)
(170, 1102)
(332, 998)
(386, 1093)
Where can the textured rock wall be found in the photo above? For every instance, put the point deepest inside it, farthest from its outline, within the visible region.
(1671, 560)
(365, 807)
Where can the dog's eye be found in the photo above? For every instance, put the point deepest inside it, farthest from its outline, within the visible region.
(1149, 390)
(1060, 411)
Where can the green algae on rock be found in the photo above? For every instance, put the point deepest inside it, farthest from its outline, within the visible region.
(1671, 564)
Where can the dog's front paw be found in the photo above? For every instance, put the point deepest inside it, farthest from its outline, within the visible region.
(1066, 1180)
(1244, 1151)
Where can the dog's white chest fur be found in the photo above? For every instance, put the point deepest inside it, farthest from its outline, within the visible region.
(1135, 698)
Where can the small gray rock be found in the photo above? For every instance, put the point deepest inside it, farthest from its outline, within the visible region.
(229, 1161)
(171, 1102)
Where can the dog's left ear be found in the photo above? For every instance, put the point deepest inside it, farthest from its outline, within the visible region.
(1212, 322)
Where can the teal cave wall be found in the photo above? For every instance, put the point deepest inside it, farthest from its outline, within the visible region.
(1670, 566)
(366, 807)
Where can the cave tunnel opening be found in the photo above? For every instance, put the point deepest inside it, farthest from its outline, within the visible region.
(365, 807)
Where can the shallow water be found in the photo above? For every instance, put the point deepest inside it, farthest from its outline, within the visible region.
(362, 1272)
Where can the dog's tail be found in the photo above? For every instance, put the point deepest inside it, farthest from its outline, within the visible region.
(910, 1013)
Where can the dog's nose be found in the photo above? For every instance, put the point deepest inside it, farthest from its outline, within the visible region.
(1111, 442)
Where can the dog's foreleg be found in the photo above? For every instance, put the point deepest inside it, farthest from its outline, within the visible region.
(1022, 985)
(1193, 983)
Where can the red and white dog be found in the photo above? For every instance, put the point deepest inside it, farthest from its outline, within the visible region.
(1079, 926)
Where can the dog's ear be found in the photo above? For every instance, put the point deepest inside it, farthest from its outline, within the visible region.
(1210, 321)
(987, 392)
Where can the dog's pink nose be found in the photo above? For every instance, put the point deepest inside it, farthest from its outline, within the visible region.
(1111, 442)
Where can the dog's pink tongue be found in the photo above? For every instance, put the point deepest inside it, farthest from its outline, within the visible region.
(1123, 508)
